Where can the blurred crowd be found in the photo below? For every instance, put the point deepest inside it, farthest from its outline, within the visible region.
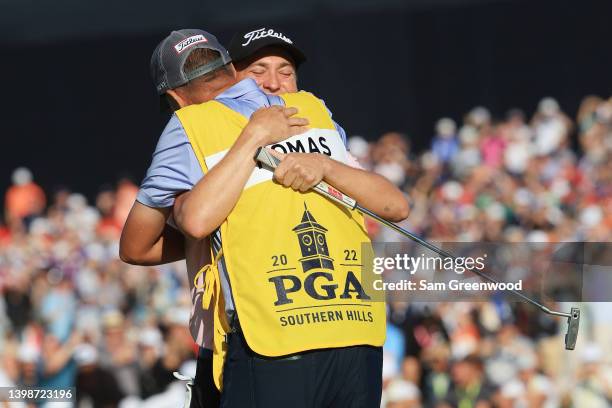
(72, 314)
(538, 179)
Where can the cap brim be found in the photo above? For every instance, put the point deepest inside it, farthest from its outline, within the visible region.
(298, 55)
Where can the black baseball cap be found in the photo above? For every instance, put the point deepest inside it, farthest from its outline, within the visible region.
(169, 58)
(246, 43)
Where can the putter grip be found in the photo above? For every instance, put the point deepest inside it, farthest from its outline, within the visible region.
(264, 157)
(572, 329)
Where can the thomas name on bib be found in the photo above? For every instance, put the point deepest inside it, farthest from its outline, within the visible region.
(324, 141)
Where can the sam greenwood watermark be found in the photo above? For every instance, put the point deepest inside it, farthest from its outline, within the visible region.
(453, 284)
(405, 271)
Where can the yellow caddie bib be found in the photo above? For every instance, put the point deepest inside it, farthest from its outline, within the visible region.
(293, 259)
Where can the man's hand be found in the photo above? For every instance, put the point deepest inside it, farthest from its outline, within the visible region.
(300, 171)
(273, 124)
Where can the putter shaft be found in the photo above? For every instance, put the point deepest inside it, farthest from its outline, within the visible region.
(328, 191)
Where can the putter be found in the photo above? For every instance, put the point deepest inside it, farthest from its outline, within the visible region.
(573, 317)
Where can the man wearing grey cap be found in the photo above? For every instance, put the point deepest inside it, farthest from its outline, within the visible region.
(174, 153)
(187, 56)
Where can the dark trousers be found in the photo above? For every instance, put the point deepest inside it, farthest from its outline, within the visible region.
(204, 392)
(347, 377)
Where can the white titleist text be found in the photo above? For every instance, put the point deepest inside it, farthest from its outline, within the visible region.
(262, 33)
(188, 42)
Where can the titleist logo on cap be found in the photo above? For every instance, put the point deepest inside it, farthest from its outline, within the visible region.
(262, 33)
(188, 42)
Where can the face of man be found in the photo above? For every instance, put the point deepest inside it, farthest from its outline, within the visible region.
(272, 68)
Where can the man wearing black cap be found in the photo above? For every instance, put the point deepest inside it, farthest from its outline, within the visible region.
(214, 74)
(271, 58)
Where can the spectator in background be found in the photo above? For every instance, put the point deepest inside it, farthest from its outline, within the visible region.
(540, 391)
(390, 158)
(402, 394)
(95, 385)
(444, 144)
(519, 149)
(596, 126)
(179, 346)
(594, 388)
(586, 116)
(479, 117)
(9, 367)
(57, 365)
(468, 156)
(124, 199)
(437, 380)
(153, 376)
(28, 357)
(492, 146)
(470, 387)
(5, 234)
(551, 127)
(360, 149)
(118, 353)
(109, 226)
(395, 344)
(58, 306)
(397, 392)
(18, 304)
(24, 199)
(411, 370)
(60, 200)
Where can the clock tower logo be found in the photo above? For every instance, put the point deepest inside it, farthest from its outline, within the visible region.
(313, 243)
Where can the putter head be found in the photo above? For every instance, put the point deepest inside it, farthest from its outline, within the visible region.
(572, 329)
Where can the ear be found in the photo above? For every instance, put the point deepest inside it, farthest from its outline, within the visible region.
(232, 69)
(178, 97)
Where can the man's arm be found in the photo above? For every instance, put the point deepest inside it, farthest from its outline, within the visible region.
(371, 190)
(147, 239)
(302, 171)
(201, 210)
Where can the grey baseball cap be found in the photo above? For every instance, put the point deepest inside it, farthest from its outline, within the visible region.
(171, 53)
